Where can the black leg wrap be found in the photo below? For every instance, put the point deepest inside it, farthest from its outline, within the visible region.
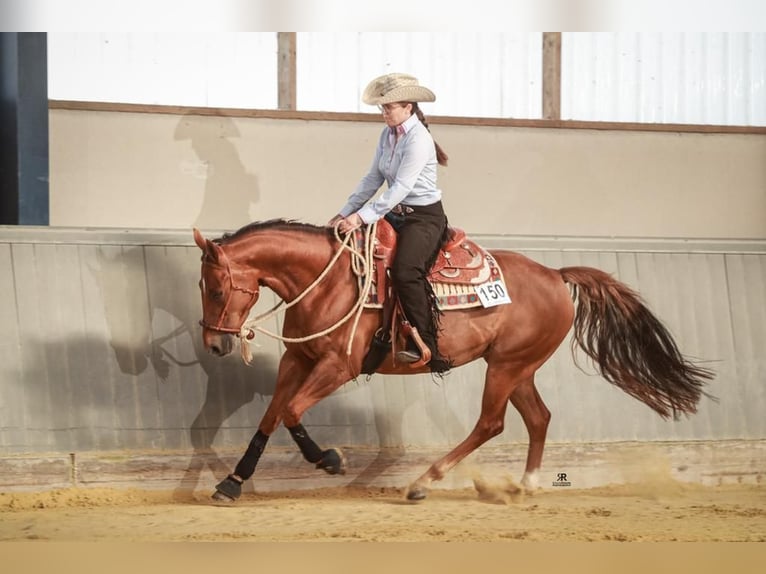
(310, 450)
(246, 466)
(230, 487)
(332, 462)
(379, 348)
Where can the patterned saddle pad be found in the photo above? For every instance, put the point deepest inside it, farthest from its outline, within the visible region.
(460, 267)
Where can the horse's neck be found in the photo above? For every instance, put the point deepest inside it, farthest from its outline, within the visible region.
(287, 262)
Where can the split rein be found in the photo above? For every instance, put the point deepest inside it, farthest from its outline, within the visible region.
(361, 264)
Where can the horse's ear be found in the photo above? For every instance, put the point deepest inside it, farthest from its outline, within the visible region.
(209, 248)
(200, 240)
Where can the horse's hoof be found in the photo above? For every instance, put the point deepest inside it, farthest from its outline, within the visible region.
(219, 496)
(228, 490)
(333, 461)
(416, 493)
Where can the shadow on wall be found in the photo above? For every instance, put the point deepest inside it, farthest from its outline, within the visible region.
(138, 377)
(230, 189)
(138, 279)
(183, 370)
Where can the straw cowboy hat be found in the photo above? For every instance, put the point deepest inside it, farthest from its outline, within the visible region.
(396, 88)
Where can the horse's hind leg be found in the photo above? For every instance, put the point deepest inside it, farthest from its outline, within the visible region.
(498, 386)
(536, 417)
(331, 460)
(326, 376)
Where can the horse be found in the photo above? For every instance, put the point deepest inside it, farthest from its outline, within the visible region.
(308, 267)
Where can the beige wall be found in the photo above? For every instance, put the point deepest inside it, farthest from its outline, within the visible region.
(135, 170)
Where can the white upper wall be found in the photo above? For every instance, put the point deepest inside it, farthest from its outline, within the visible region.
(685, 78)
(228, 70)
(700, 78)
(482, 74)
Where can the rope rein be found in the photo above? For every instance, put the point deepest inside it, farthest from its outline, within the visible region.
(361, 264)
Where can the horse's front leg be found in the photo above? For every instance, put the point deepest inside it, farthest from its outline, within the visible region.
(290, 376)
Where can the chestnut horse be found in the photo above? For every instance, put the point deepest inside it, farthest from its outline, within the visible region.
(306, 265)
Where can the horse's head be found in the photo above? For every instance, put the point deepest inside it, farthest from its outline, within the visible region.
(120, 276)
(229, 291)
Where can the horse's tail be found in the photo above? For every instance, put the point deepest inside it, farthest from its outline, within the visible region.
(631, 347)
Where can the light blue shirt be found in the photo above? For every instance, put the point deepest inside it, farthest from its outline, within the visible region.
(408, 166)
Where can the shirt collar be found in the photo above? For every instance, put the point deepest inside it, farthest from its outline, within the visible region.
(406, 125)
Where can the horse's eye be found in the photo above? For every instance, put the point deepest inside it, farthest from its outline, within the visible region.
(216, 295)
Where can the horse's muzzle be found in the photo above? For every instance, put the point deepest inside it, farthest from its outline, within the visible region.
(217, 342)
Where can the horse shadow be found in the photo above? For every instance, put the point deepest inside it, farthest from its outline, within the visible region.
(431, 407)
(151, 310)
(149, 297)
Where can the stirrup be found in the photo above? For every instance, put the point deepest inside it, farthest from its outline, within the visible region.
(408, 356)
(421, 354)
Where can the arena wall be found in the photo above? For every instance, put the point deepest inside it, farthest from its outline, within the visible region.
(104, 379)
(175, 169)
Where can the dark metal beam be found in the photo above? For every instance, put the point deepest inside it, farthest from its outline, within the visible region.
(24, 198)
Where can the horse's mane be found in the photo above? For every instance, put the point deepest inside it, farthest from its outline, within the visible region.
(287, 224)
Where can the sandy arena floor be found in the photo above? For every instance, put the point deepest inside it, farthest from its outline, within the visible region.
(659, 510)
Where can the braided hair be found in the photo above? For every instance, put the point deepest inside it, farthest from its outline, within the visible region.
(441, 156)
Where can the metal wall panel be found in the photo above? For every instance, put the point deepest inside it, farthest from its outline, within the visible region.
(101, 351)
(494, 74)
(474, 74)
(224, 69)
(681, 77)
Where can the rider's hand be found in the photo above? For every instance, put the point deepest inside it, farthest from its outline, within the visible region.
(350, 223)
(334, 221)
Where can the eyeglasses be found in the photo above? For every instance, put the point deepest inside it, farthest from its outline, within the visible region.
(388, 108)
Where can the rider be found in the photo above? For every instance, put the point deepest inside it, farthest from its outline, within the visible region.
(406, 159)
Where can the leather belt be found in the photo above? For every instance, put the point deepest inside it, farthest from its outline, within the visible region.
(400, 209)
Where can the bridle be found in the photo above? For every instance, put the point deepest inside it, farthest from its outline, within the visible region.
(361, 266)
(219, 327)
